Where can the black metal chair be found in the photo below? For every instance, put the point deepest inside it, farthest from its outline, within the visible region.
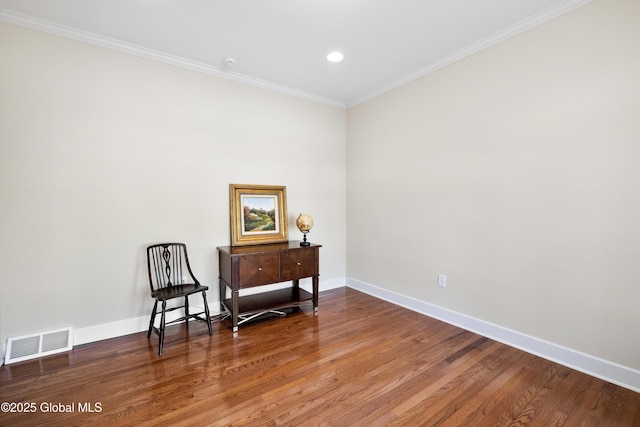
(170, 277)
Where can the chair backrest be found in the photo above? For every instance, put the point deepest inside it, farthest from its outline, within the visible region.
(168, 265)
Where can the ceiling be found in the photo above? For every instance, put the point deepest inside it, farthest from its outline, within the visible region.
(282, 44)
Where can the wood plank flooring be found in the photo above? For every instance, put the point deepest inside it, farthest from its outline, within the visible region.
(360, 362)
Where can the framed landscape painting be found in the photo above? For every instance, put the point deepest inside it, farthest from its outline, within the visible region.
(258, 214)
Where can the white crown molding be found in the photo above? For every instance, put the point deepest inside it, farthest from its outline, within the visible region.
(84, 36)
(615, 373)
(495, 38)
(97, 40)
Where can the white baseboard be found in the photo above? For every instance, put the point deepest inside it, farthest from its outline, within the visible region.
(609, 371)
(131, 326)
(138, 324)
(110, 330)
(606, 370)
(325, 285)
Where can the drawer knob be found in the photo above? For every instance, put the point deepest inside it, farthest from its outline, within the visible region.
(298, 263)
(260, 268)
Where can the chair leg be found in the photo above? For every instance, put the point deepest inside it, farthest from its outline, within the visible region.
(164, 308)
(153, 319)
(186, 310)
(206, 312)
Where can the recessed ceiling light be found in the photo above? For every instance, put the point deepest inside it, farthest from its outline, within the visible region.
(335, 57)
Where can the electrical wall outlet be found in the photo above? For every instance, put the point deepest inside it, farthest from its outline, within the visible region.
(442, 280)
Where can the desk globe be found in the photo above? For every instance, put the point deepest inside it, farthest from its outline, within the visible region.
(304, 224)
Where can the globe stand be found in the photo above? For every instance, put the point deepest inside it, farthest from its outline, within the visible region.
(304, 224)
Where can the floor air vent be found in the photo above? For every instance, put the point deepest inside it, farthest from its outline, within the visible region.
(37, 345)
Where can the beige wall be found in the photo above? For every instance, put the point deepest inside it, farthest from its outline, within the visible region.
(516, 173)
(513, 171)
(102, 153)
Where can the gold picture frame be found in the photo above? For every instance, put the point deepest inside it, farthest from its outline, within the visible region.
(258, 214)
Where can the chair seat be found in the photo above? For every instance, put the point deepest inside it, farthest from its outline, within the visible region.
(176, 291)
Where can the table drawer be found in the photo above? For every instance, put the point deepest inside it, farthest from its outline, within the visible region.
(297, 264)
(259, 269)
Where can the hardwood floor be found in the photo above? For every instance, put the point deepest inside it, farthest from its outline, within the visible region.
(361, 362)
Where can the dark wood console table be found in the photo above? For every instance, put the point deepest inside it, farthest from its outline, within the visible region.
(243, 267)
